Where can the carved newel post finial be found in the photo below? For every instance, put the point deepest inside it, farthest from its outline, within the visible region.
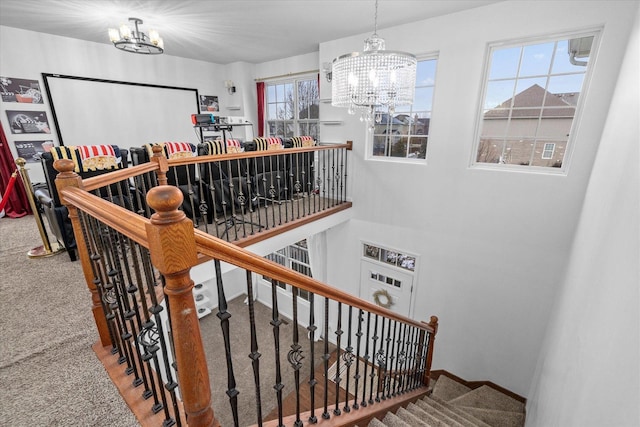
(173, 252)
(165, 200)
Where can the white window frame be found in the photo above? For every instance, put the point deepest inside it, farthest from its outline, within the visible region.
(295, 122)
(596, 32)
(371, 134)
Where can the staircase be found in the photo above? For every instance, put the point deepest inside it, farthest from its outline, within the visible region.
(454, 404)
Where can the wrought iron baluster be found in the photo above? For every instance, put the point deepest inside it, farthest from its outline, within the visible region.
(89, 231)
(392, 358)
(363, 403)
(146, 321)
(134, 309)
(325, 358)
(117, 302)
(373, 360)
(399, 361)
(295, 356)
(338, 332)
(156, 309)
(410, 359)
(254, 355)
(357, 375)
(418, 340)
(276, 322)
(224, 317)
(348, 360)
(333, 181)
(403, 361)
(382, 363)
(324, 180)
(312, 376)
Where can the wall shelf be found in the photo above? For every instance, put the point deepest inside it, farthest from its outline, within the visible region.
(325, 100)
(331, 122)
(233, 108)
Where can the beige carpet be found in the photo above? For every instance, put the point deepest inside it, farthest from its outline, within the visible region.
(50, 376)
(454, 404)
(362, 382)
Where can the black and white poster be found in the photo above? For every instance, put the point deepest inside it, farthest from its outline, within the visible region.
(31, 150)
(209, 103)
(20, 90)
(28, 122)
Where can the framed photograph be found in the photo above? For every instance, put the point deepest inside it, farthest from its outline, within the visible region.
(31, 151)
(20, 90)
(28, 122)
(209, 103)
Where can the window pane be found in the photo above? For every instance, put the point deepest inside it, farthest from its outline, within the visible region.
(504, 63)
(272, 113)
(417, 147)
(562, 62)
(423, 99)
(426, 73)
(498, 93)
(566, 84)
(536, 59)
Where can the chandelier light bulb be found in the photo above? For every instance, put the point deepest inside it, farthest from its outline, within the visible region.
(114, 35)
(154, 37)
(125, 32)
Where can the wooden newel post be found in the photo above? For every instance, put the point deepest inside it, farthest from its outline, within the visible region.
(65, 179)
(433, 323)
(173, 253)
(161, 160)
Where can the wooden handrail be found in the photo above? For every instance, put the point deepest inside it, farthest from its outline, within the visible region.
(251, 154)
(120, 219)
(105, 179)
(232, 254)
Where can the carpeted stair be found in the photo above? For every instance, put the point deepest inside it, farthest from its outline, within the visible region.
(454, 404)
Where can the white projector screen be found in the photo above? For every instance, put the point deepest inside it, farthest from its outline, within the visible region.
(93, 111)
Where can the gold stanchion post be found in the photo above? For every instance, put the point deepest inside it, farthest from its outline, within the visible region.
(45, 249)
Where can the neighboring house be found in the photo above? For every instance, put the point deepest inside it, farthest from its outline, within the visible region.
(534, 111)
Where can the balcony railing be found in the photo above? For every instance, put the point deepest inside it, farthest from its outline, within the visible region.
(246, 197)
(138, 272)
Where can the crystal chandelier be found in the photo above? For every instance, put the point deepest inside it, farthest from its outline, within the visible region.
(373, 80)
(136, 41)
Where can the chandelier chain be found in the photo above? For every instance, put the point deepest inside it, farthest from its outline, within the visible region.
(375, 20)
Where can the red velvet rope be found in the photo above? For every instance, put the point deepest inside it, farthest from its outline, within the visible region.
(7, 192)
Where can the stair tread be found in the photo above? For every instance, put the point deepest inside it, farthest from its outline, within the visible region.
(376, 423)
(496, 417)
(430, 414)
(392, 420)
(455, 413)
(486, 397)
(410, 418)
(448, 389)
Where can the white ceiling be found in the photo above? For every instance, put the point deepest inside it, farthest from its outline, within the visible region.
(226, 31)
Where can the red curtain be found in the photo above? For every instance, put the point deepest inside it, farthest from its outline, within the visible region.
(18, 204)
(260, 87)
